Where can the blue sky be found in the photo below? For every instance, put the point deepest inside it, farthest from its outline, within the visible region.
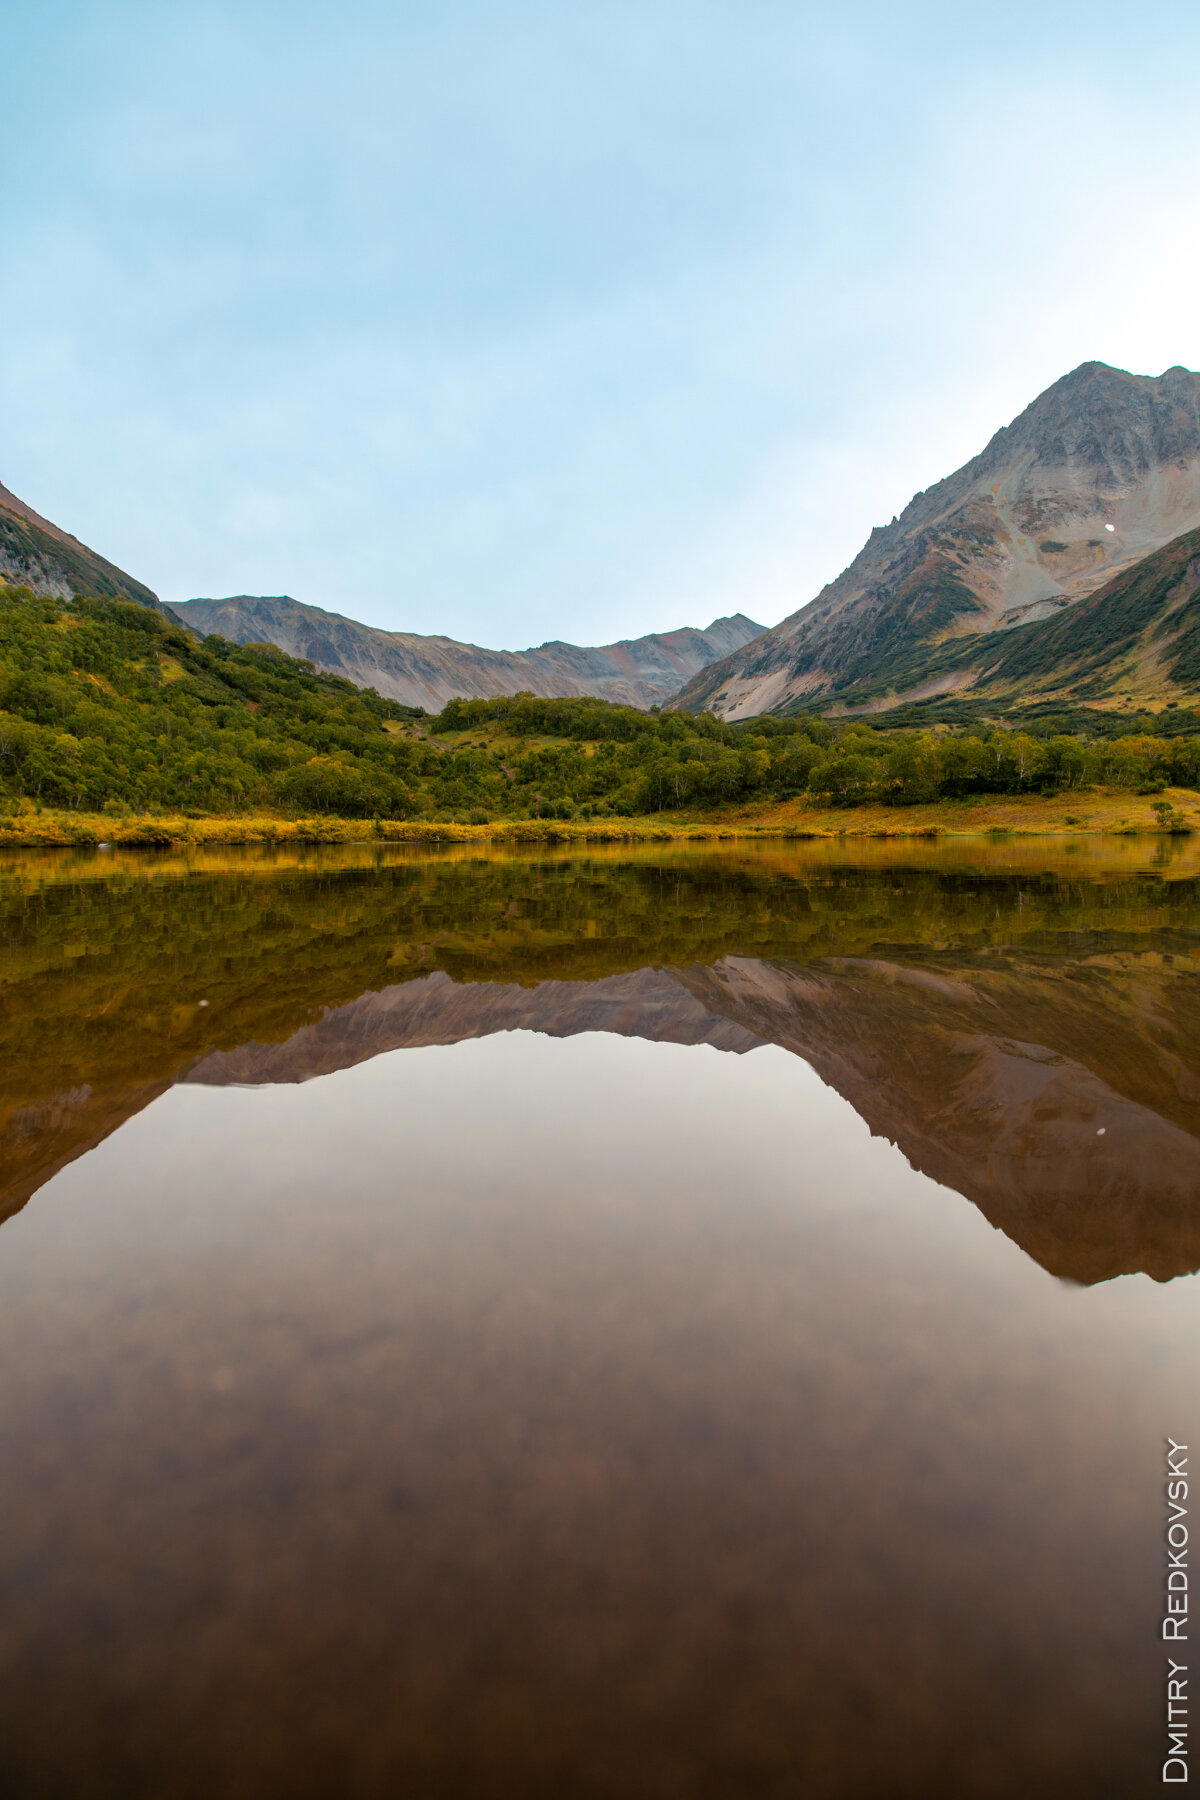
(516, 321)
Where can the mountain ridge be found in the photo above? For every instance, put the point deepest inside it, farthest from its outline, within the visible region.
(417, 669)
(426, 670)
(1096, 473)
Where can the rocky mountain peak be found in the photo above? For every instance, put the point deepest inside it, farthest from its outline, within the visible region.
(1099, 471)
(1107, 419)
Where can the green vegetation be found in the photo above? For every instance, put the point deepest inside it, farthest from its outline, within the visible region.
(1091, 638)
(1044, 718)
(108, 707)
(615, 759)
(869, 649)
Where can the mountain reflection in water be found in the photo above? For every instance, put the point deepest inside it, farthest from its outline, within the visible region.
(1029, 1039)
(477, 1338)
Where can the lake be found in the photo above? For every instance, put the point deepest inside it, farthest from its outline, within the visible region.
(668, 1324)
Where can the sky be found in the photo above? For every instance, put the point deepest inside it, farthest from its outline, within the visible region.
(513, 321)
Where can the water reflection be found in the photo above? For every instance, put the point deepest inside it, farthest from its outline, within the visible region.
(1029, 1038)
(477, 1336)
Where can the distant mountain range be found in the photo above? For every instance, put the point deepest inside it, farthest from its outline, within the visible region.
(1060, 564)
(980, 584)
(406, 666)
(428, 671)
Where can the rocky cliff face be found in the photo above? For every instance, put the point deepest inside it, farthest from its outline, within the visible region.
(1101, 470)
(36, 554)
(428, 671)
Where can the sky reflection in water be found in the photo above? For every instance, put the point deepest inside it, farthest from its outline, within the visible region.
(461, 1409)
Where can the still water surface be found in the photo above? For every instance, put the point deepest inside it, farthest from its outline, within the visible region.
(660, 1324)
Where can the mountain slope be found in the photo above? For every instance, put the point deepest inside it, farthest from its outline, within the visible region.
(38, 555)
(106, 703)
(428, 671)
(1100, 471)
(1136, 641)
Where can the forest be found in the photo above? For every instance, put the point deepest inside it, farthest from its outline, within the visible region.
(107, 706)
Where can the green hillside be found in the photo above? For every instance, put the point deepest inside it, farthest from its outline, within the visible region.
(1137, 638)
(107, 706)
(1133, 643)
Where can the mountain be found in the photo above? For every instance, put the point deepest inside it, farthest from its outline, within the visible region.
(428, 671)
(1134, 643)
(405, 666)
(36, 554)
(1101, 471)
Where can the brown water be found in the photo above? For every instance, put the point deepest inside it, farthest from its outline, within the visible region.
(660, 1324)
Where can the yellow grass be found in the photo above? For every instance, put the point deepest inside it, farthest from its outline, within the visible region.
(1086, 814)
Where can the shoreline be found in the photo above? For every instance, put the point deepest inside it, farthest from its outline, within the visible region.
(1095, 814)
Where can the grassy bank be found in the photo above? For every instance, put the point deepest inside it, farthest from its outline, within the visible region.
(1086, 814)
